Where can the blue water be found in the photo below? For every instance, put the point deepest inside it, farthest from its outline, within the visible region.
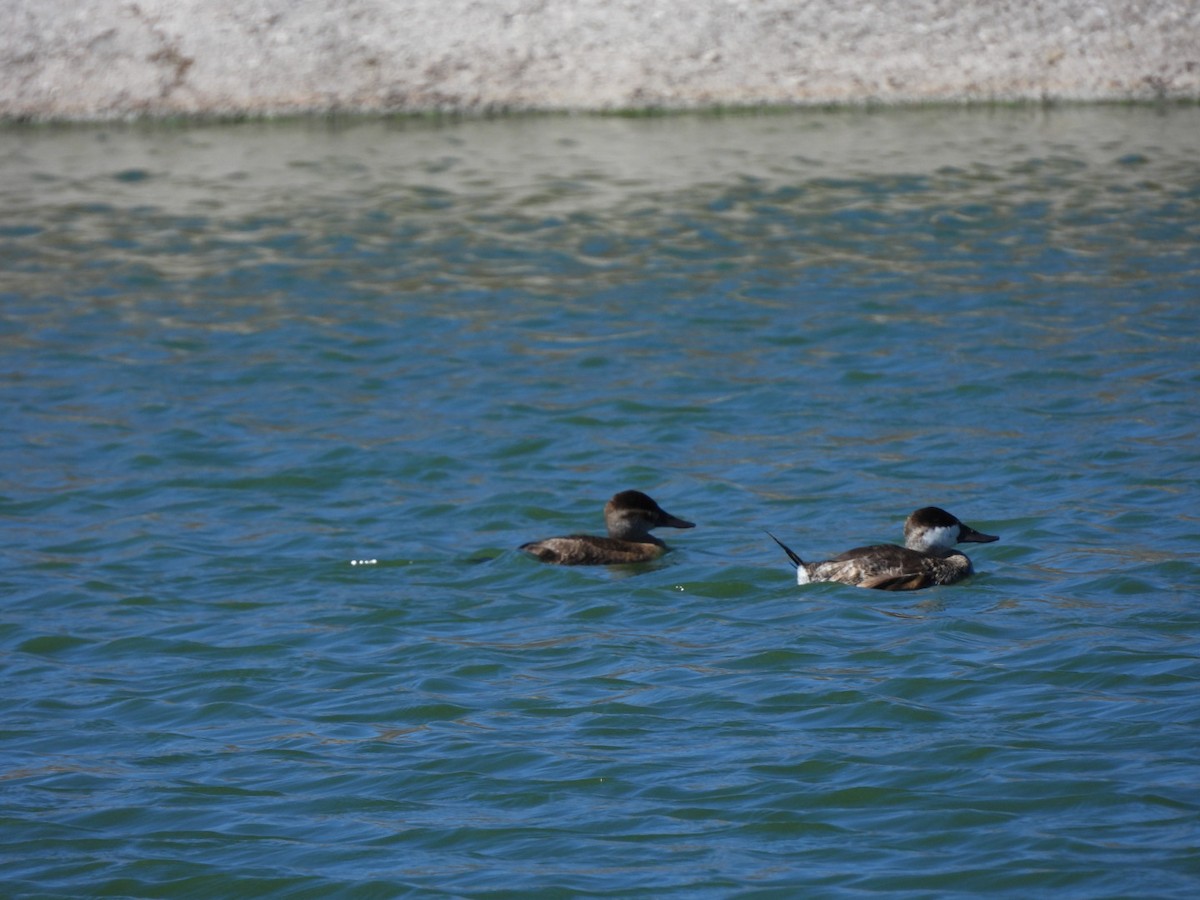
(238, 359)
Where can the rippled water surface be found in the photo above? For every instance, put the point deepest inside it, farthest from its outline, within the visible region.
(238, 359)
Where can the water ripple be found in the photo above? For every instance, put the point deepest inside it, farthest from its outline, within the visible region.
(239, 359)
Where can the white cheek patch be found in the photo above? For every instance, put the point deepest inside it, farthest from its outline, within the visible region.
(946, 536)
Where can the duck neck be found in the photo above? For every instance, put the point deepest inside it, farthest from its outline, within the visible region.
(633, 532)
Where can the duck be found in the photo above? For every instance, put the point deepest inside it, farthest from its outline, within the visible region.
(927, 558)
(629, 516)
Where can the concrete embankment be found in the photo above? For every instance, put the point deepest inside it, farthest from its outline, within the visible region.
(117, 59)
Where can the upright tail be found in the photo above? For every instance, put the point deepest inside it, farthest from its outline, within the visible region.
(792, 555)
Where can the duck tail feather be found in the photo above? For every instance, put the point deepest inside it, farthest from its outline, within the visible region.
(792, 555)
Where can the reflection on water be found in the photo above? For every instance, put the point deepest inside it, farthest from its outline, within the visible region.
(237, 358)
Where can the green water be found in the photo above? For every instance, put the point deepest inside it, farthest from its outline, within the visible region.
(237, 359)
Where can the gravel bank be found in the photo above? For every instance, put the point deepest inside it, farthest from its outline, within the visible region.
(114, 59)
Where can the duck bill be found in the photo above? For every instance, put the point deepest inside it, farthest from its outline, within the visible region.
(969, 535)
(671, 521)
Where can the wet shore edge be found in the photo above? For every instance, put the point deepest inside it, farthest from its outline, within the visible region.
(96, 60)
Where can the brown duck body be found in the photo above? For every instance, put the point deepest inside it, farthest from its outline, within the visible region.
(590, 550)
(889, 567)
(629, 516)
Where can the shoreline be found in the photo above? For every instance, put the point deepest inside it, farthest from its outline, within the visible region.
(349, 117)
(116, 60)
